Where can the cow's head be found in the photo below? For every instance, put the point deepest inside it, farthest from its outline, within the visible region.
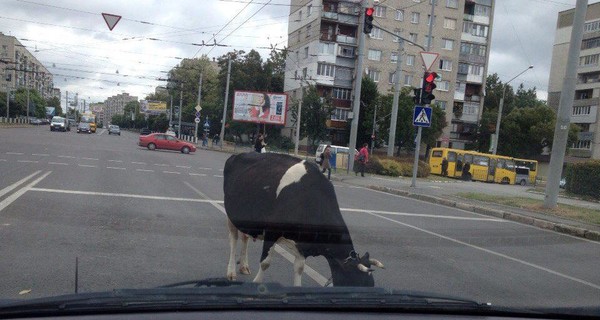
(355, 271)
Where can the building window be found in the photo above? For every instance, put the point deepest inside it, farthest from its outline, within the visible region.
(397, 33)
(475, 29)
(326, 48)
(442, 104)
(374, 55)
(447, 44)
(443, 86)
(376, 33)
(324, 69)
(346, 51)
(341, 94)
(482, 10)
(590, 43)
(582, 110)
(304, 73)
(300, 15)
(400, 15)
(475, 70)
(394, 57)
(374, 75)
(463, 68)
(449, 23)
(408, 80)
(379, 12)
(340, 114)
(445, 65)
(410, 60)
(308, 33)
(582, 144)
(591, 26)
(589, 60)
(296, 75)
(299, 35)
(412, 37)
(392, 78)
(429, 19)
(309, 10)
(452, 4)
(414, 18)
(305, 52)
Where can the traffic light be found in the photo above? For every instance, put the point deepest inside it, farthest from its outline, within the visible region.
(368, 20)
(428, 86)
(417, 97)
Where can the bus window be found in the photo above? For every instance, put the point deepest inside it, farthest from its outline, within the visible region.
(510, 165)
(481, 161)
(451, 156)
(501, 164)
(436, 154)
(469, 158)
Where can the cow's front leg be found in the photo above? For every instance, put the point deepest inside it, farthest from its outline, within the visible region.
(233, 236)
(265, 259)
(244, 268)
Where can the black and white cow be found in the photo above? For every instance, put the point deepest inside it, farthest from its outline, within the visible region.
(287, 201)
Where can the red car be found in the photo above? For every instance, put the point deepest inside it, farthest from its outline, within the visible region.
(155, 141)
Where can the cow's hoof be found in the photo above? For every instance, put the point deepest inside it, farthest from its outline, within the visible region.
(245, 270)
(231, 276)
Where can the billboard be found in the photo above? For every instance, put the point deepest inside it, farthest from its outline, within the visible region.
(153, 107)
(260, 107)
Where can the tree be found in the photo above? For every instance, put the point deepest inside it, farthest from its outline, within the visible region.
(54, 102)
(429, 136)
(405, 131)
(369, 99)
(37, 104)
(315, 113)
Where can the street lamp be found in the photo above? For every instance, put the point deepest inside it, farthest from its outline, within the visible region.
(495, 149)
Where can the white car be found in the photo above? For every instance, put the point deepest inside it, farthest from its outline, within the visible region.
(170, 132)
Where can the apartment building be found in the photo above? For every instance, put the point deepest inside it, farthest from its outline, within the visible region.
(584, 111)
(114, 105)
(20, 69)
(323, 39)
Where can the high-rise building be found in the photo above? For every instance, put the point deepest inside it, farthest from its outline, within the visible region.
(584, 111)
(20, 69)
(323, 39)
(114, 105)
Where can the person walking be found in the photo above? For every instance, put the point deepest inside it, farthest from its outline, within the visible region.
(260, 144)
(444, 167)
(325, 164)
(362, 158)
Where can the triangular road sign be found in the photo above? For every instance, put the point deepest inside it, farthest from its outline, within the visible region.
(422, 118)
(429, 59)
(111, 20)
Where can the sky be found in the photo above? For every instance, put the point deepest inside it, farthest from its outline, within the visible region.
(72, 40)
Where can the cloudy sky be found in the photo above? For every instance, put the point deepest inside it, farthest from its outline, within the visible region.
(73, 42)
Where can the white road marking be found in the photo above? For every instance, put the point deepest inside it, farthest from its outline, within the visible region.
(40, 154)
(123, 195)
(533, 265)
(115, 160)
(144, 170)
(101, 132)
(16, 184)
(435, 187)
(218, 176)
(312, 273)
(58, 163)
(184, 167)
(28, 161)
(10, 199)
(423, 215)
(201, 168)
(135, 162)
(173, 172)
(3, 160)
(68, 157)
(87, 166)
(221, 170)
(15, 153)
(94, 159)
(197, 174)
(161, 164)
(116, 168)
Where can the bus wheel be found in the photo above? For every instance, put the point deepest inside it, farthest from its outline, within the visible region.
(523, 182)
(505, 180)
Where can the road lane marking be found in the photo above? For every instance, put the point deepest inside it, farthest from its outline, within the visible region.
(135, 162)
(15, 153)
(197, 174)
(161, 164)
(58, 163)
(115, 160)
(312, 273)
(68, 157)
(28, 161)
(94, 159)
(40, 154)
(173, 172)
(422, 215)
(201, 168)
(183, 167)
(116, 168)
(16, 184)
(123, 195)
(144, 170)
(218, 176)
(3, 160)
(101, 132)
(10, 199)
(498, 254)
(87, 165)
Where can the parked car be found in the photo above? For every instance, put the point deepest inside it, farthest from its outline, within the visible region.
(155, 141)
(84, 127)
(114, 129)
(334, 151)
(60, 124)
(35, 121)
(145, 131)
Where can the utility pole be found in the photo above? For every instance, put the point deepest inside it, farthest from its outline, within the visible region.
(394, 118)
(373, 133)
(298, 119)
(357, 86)
(413, 183)
(7, 100)
(27, 88)
(180, 109)
(198, 106)
(222, 134)
(563, 115)
(67, 104)
(171, 113)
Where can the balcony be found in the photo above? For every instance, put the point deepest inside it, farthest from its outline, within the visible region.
(468, 17)
(326, 36)
(481, 19)
(586, 118)
(585, 136)
(459, 95)
(347, 19)
(475, 78)
(329, 15)
(472, 38)
(472, 58)
(586, 102)
(580, 153)
(341, 38)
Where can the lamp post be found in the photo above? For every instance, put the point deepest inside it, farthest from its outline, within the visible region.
(495, 148)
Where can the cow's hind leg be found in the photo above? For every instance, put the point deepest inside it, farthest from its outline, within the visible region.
(233, 236)
(244, 268)
(265, 258)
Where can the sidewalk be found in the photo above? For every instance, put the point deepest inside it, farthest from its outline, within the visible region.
(446, 193)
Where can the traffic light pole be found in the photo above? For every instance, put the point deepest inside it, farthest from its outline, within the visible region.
(222, 133)
(413, 183)
(394, 118)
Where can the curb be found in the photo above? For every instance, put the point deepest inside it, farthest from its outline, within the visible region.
(506, 215)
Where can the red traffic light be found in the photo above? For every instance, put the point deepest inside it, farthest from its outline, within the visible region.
(430, 77)
(369, 12)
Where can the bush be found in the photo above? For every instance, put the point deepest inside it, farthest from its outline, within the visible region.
(583, 178)
(390, 166)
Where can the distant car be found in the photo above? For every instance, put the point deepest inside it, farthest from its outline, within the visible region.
(59, 124)
(145, 131)
(113, 129)
(84, 127)
(563, 183)
(170, 132)
(155, 141)
(36, 121)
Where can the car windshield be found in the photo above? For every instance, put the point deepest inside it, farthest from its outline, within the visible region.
(451, 125)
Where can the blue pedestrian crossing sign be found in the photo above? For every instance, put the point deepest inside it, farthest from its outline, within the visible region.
(422, 116)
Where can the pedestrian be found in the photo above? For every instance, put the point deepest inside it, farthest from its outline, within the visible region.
(444, 167)
(325, 164)
(216, 139)
(259, 145)
(205, 140)
(466, 175)
(362, 158)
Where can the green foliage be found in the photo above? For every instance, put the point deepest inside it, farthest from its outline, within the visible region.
(582, 178)
(394, 167)
(314, 116)
(54, 102)
(369, 99)
(158, 123)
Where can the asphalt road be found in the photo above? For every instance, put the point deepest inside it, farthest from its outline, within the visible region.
(138, 218)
